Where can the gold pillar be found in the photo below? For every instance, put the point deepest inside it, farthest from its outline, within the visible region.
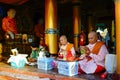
(112, 31)
(1, 51)
(51, 26)
(117, 18)
(76, 25)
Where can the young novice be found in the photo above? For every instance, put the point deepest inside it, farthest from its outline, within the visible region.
(35, 52)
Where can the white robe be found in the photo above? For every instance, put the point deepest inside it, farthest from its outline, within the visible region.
(99, 59)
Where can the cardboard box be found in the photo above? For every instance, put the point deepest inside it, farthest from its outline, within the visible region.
(45, 63)
(67, 68)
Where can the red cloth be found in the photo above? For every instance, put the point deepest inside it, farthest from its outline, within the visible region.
(9, 24)
(69, 56)
(99, 69)
(82, 39)
(80, 70)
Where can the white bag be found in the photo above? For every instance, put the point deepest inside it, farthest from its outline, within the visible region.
(110, 63)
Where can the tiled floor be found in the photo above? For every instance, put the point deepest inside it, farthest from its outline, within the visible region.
(52, 74)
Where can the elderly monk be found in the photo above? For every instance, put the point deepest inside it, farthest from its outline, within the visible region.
(9, 24)
(67, 50)
(93, 60)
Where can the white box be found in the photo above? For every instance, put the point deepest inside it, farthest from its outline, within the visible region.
(68, 68)
(18, 61)
(45, 63)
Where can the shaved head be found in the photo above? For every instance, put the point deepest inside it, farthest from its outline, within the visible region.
(63, 36)
(93, 33)
(63, 40)
(92, 37)
(11, 13)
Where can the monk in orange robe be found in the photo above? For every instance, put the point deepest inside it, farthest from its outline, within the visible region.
(93, 60)
(9, 24)
(67, 50)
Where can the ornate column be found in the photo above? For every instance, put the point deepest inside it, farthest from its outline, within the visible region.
(113, 30)
(1, 52)
(76, 22)
(51, 26)
(117, 18)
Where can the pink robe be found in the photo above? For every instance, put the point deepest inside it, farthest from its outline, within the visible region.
(96, 59)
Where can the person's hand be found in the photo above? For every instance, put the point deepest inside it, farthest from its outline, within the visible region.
(62, 53)
(62, 50)
(85, 50)
(31, 59)
(82, 50)
(88, 58)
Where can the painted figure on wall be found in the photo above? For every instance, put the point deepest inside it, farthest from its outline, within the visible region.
(9, 24)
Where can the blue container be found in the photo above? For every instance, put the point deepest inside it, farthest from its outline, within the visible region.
(21, 64)
(68, 68)
(45, 63)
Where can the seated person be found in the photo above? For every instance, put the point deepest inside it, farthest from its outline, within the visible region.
(35, 52)
(93, 60)
(66, 49)
(9, 24)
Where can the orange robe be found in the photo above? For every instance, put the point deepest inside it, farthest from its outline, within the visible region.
(9, 24)
(97, 47)
(95, 62)
(69, 48)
